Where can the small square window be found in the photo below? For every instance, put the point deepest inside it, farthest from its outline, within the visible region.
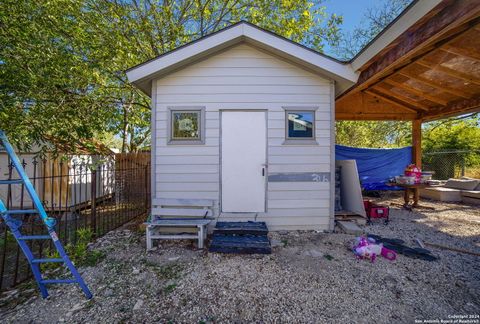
(186, 126)
(300, 124)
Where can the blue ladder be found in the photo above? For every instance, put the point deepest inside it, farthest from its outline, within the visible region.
(15, 224)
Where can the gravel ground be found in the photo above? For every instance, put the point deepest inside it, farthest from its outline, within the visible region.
(310, 277)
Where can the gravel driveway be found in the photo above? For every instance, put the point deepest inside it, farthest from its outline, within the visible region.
(310, 277)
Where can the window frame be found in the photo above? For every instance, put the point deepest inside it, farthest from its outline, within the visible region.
(301, 140)
(201, 128)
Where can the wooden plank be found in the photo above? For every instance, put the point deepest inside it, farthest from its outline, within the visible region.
(253, 228)
(181, 212)
(345, 213)
(401, 99)
(434, 84)
(438, 29)
(173, 236)
(359, 220)
(182, 202)
(458, 107)
(349, 227)
(416, 91)
(428, 31)
(390, 100)
(460, 52)
(452, 248)
(454, 73)
(374, 116)
(179, 222)
(250, 244)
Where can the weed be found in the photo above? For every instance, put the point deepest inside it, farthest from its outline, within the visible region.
(328, 257)
(78, 253)
(168, 289)
(5, 240)
(170, 271)
(285, 242)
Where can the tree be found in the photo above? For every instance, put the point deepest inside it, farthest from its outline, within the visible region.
(452, 144)
(374, 21)
(63, 61)
(371, 133)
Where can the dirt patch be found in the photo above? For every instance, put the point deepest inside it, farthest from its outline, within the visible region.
(310, 277)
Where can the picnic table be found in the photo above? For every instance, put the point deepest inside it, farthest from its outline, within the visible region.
(414, 190)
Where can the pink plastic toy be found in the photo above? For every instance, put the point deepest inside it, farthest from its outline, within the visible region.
(367, 249)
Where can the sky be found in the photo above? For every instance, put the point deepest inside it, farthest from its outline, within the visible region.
(351, 10)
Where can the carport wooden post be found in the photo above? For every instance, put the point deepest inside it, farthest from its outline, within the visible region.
(416, 151)
(417, 142)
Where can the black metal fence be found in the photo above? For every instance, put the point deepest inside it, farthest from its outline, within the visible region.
(452, 164)
(80, 192)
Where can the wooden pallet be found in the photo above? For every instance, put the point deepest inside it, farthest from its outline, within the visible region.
(247, 244)
(253, 228)
(240, 237)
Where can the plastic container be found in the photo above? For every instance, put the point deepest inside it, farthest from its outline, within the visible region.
(405, 179)
(425, 178)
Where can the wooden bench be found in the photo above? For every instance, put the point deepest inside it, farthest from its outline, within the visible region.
(178, 214)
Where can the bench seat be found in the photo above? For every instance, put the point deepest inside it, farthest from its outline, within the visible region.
(176, 215)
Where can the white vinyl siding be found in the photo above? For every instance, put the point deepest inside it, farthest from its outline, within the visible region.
(243, 78)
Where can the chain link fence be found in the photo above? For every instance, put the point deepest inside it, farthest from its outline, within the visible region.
(452, 164)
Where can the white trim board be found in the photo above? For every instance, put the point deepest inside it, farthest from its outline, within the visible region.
(143, 74)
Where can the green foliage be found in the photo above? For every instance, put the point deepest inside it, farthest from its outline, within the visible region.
(170, 271)
(453, 134)
(374, 134)
(63, 61)
(169, 288)
(7, 239)
(459, 139)
(78, 253)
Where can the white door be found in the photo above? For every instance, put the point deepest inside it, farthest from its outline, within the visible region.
(244, 156)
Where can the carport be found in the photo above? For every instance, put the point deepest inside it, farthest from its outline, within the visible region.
(430, 71)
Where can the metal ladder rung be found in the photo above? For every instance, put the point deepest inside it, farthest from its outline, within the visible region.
(12, 181)
(15, 225)
(47, 260)
(58, 281)
(34, 237)
(21, 211)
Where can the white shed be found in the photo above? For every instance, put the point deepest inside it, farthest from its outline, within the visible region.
(246, 118)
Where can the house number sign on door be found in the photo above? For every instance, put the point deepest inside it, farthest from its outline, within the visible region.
(300, 177)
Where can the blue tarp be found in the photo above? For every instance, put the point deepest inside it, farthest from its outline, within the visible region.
(376, 166)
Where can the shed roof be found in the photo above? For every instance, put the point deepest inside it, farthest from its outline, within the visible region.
(142, 75)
